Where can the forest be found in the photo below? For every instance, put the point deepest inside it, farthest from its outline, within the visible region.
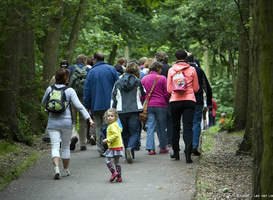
(231, 38)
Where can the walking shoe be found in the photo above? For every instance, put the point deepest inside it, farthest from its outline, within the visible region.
(128, 156)
(65, 172)
(83, 148)
(92, 140)
(114, 176)
(195, 152)
(119, 179)
(151, 153)
(73, 142)
(57, 173)
(166, 150)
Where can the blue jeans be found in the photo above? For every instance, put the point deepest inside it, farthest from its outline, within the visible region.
(131, 126)
(157, 117)
(197, 118)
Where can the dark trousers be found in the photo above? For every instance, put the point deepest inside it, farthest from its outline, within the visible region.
(186, 110)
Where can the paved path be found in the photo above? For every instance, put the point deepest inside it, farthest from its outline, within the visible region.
(151, 177)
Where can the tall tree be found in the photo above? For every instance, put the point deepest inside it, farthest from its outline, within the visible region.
(75, 31)
(50, 61)
(262, 108)
(10, 74)
(241, 93)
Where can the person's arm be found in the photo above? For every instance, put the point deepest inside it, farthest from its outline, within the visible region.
(87, 93)
(195, 82)
(208, 92)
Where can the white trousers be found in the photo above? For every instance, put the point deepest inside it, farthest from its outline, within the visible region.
(57, 135)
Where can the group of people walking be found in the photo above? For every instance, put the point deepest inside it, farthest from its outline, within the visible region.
(111, 94)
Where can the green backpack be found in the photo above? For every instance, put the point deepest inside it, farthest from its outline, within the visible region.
(56, 100)
(77, 80)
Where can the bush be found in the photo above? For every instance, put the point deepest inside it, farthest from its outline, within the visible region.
(228, 125)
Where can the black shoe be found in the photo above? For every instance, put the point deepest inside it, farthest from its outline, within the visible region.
(195, 152)
(73, 142)
(83, 148)
(188, 158)
(175, 156)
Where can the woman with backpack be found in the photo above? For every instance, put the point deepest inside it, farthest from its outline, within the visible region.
(182, 82)
(59, 124)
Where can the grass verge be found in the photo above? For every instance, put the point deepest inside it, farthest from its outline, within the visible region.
(17, 157)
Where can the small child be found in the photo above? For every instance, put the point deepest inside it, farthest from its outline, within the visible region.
(223, 119)
(114, 142)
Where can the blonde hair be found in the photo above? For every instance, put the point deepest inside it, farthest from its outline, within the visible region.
(110, 110)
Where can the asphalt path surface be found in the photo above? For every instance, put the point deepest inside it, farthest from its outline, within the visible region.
(151, 177)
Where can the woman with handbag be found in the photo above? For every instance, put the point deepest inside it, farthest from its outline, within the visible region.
(158, 97)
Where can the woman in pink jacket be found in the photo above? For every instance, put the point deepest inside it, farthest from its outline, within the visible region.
(182, 103)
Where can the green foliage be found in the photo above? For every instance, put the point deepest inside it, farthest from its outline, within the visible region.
(207, 141)
(25, 134)
(6, 147)
(229, 125)
(15, 171)
(214, 129)
(223, 94)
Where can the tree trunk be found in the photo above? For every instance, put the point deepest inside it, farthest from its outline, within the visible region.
(126, 54)
(10, 75)
(206, 60)
(112, 56)
(50, 61)
(257, 123)
(241, 93)
(266, 74)
(75, 31)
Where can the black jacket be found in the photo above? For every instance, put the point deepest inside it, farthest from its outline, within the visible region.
(203, 85)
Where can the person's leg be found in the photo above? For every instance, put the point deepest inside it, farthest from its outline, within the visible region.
(176, 112)
(111, 168)
(118, 169)
(65, 135)
(169, 125)
(197, 127)
(125, 132)
(99, 123)
(134, 127)
(150, 143)
(82, 132)
(161, 122)
(188, 114)
(55, 136)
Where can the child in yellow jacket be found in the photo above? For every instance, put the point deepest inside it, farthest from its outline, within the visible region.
(115, 144)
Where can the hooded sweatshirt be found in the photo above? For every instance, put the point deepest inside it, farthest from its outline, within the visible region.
(126, 94)
(191, 79)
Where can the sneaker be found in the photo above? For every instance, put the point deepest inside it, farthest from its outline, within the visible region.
(73, 142)
(114, 176)
(119, 179)
(65, 172)
(151, 153)
(128, 156)
(57, 173)
(166, 150)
